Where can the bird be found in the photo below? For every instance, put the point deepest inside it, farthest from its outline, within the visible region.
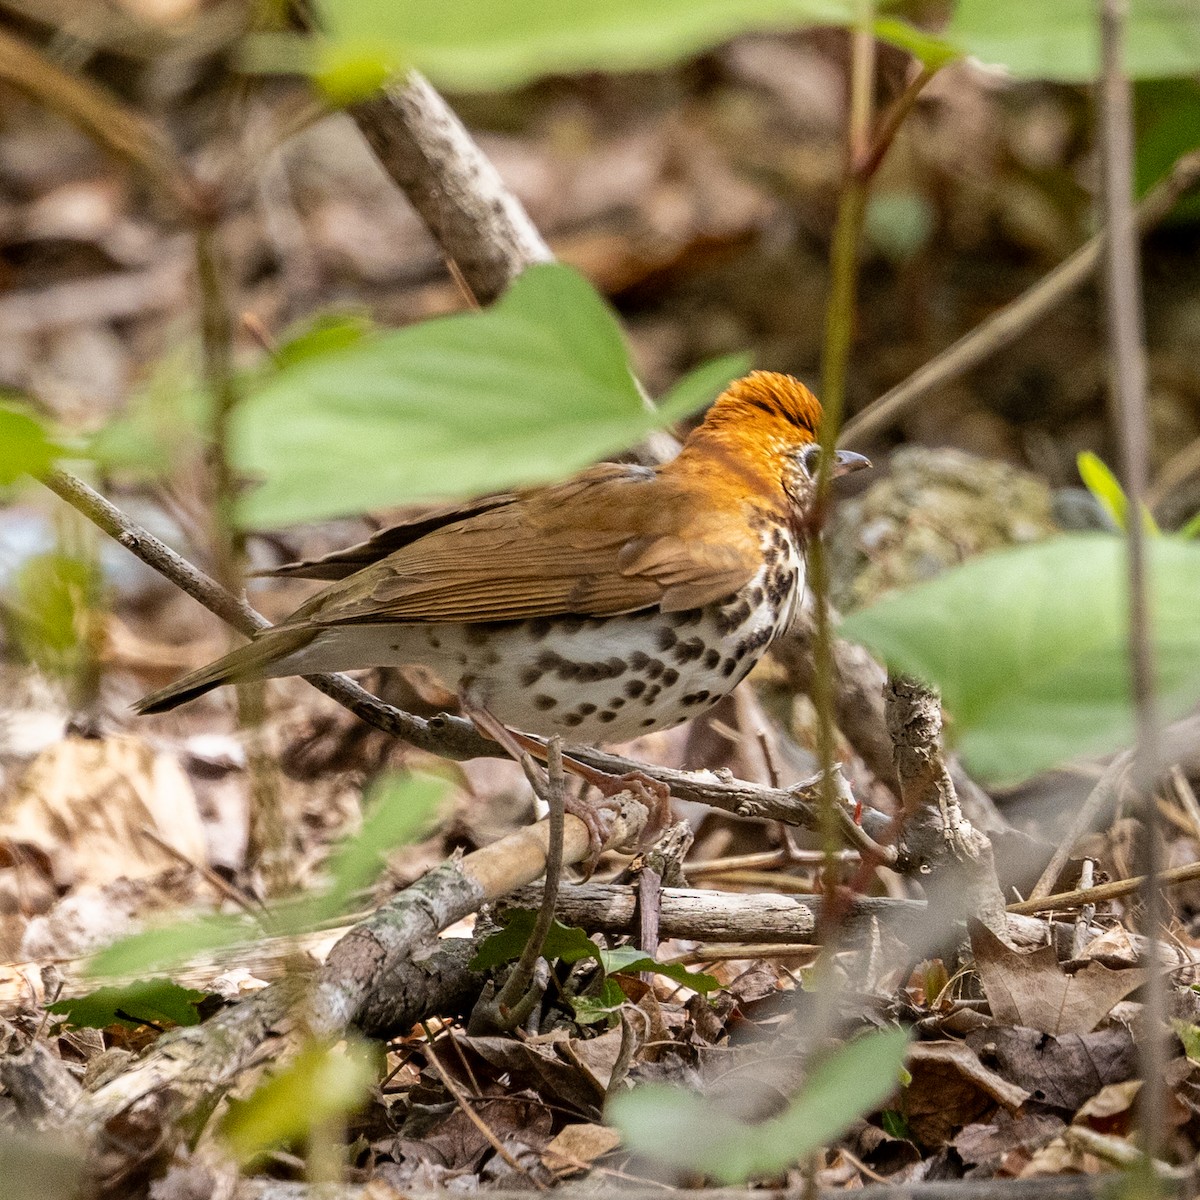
(623, 600)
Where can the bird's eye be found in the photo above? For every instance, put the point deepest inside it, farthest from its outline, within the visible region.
(809, 457)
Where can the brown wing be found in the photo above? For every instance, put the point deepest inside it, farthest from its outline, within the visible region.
(608, 541)
(342, 563)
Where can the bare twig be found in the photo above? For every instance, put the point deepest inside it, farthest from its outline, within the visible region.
(480, 225)
(1128, 399)
(1008, 323)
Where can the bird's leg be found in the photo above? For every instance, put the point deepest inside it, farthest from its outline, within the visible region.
(653, 793)
(520, 746)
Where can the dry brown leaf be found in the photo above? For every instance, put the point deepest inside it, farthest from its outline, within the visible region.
(577, 1146)
(1061, 1071)
(83, 803)
(1030, 989)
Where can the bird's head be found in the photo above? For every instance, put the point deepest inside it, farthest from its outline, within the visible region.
(772, 420)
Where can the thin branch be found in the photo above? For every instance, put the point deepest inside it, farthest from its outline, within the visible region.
(839, 331)
(481, 226)
(1008, 323)
(1173, 877)
(1128, 401)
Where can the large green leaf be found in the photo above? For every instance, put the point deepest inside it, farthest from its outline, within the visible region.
(695, 1135)
(534, 387)
(1060, 39)
(488, 44)
(1028, 647)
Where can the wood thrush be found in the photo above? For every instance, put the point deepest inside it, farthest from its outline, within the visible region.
(626, 599)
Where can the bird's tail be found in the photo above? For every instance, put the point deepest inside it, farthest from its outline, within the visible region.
(252, 661)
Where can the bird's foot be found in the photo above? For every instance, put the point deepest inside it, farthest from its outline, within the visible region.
(598, 816)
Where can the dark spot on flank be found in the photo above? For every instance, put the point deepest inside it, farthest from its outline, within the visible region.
(729, 619)
(435, 642)
(616, 666)
(754, 642)
(688, 651)
(572, 719)
(529, 676)
(586, 710)
(711, 658)
(545, 703)
(666, 638)
(617, 702)
(670, 676)
(696, 698)
(655, 668)
(607, 715)
(728, 667)
(648, 722)
(634, 688)
(548, 660)
(639, 661)
(756, 597)
(689, 616)
(652, 695)
(539, 627)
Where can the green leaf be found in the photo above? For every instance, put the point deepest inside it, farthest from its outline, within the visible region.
(490, 44)
(474, 45)
(629, 960)
(1060, 40)
(1168, 121)
(147, 1002)
(1106, 488)
(398, 811)
(52, 611)
(567, 943)
(1191, 528)
(695, 1135)
(25, 446)
(168, 945)
(591, 1010)
(324, 334)
(570, 944)
(1028, 647)
(532, 388)
(1189, 1035)
(931, 51)
(321, 1084)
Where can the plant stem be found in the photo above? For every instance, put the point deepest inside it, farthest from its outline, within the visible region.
(839, 328)
(1128, 399)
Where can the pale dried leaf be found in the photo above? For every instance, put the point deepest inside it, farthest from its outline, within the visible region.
(83, 803)
(1030, 989)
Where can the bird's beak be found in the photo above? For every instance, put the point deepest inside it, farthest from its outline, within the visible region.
(845, 461)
